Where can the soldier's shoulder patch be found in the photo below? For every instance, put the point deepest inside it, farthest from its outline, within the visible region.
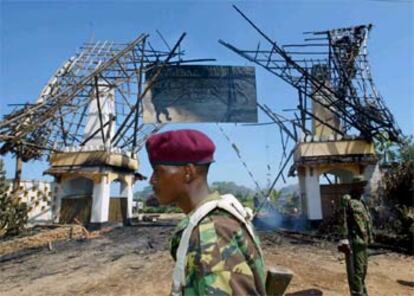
(207, 232)
(216, 228)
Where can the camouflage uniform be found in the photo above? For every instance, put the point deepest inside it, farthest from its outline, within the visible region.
(358, 230)
(222, 258)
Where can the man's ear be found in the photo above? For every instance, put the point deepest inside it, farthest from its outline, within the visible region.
(190, 172)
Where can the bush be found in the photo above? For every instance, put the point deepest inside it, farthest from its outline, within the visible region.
(13, 213)
(393, 207)
(161, 209)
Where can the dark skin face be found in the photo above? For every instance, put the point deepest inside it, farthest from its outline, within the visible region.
(357, 190)
(185, 185)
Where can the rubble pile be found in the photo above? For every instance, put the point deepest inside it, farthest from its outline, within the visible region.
(44, 238)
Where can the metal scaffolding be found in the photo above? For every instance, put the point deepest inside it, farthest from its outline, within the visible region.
(58, 117)
(329, 68)
(334, 65)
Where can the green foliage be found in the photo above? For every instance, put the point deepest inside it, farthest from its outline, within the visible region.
(386, 150)
(161, 209)
(290, 206)
(391, 152)
(248, 203)
(398, 181)
(274, 196)
(242, 193)
(394, 211)
(143, 194)
(406, 151)
(13, 213)
(3, 184)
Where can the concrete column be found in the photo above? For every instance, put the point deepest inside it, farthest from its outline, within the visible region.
(126, 191)
(313, 194)
(302, 192)
(372, 173)
(100, 201)
(57, 203)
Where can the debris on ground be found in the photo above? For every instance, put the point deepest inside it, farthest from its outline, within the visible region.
(135, 260)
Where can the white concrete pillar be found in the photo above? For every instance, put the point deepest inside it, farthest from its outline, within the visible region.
(372, 174)
(57, 203)
(126, 191)
(100, 201)
(313, 194)
(302, 192)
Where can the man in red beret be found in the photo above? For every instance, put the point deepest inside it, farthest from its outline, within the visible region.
(215, 249)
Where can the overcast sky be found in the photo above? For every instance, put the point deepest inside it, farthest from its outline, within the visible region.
(37, 37)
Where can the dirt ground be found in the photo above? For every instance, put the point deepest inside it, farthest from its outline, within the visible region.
(135, 261)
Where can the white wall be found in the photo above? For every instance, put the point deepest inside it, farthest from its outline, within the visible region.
(39, 197)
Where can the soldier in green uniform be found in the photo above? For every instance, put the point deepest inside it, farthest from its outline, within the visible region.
(223, 256)
(357, 235)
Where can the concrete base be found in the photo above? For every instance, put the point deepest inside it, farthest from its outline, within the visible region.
(100, 201)
(128, 222)
(310, 193)
(96, 226)
(314, 224)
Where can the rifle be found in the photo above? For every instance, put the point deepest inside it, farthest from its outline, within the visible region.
(277, 280)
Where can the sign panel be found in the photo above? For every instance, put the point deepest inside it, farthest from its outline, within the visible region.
(201, 94)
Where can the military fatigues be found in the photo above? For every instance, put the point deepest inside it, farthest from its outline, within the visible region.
(222, 258)
(358, 230)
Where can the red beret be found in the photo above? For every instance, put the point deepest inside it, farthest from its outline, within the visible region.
(180, 147)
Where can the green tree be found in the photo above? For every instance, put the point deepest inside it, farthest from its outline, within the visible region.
(144, 193)
(290, 205)
(274, 196)
(243, 193)
(399, 178)
(406, 151)
(396, 198)
(13, 213)
(386, 150)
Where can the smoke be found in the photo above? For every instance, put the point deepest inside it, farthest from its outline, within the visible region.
(268, 218)
(273, 217)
